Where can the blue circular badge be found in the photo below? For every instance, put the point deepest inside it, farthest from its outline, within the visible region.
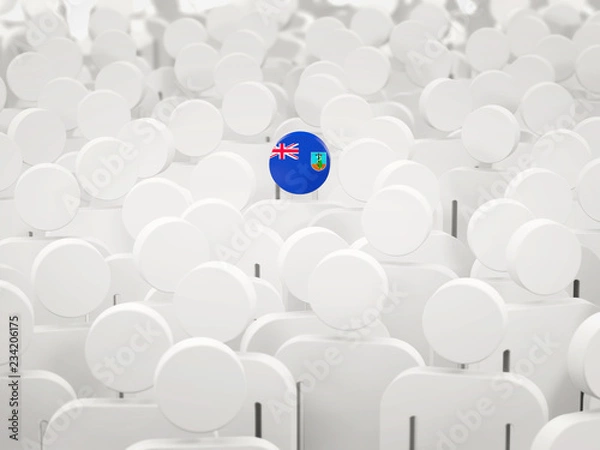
(300, 163)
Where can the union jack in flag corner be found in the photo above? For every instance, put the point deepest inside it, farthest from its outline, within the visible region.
(281, 151)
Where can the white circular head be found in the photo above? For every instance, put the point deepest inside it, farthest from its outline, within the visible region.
(125, 344)
(111, 46)
(226, 176)
(433, 16)
(397, 220)
(491, 227)
(495, 87)
(70, 277)
(589, 129)
(408, 39)
(562, 151)
(182, 32)
(215, 300)
(11, 162)
(445, 103)
(151, 143)
(583, 361)
(359, 165)
(167, 249)
(268, 299)
(411, 174)
(16, 309)
(40, 135)
(103, 19)
(586, 36)
(194, 66)
(102, 113)
(487, 48)
(313, 93)
(124, 78)
(338, 44)
(235, 68)
(324, 68)
(247, 42)
(200, 385)
(342, 116)
(545, 193)
(544, 105)
(317, 33)
(223, 20)
(543, 256)
(152, 199)
(47, 197)
(248, 108)
(465, 320)
(529, 70)
(490, 133)
(197, 127)
(65, 56)
(524, 32)
(27, 74)
(218, 220)
(372, 25)
(62, 96)
(587, 69)
(347, 289)
(367, 70)
(559, 51)
(107, 168)
(391, 131)
(301, 252)
(588, 189)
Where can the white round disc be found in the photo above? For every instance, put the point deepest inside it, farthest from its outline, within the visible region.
(235, 68)
(490, 230)
(125, 344)
(359, 165)
(152, 199)
(200, 385)
(215, 300)
(223, 20)
(347, 290)
(495, 87)
(434, 16)
(372, 25)
(103, 19)
(391, 131)
(367, 70)
(124, 78)
(397, 220)
(218, 220)
(583, 363)
(182, 32)
(587, 69)
(465, 320)
(545, 193)
(487, 48)
(102, 113)
(70, 277)
(445, 103)
(65, 56)
(267, 29)
(167, 249)
(560, 52)
(40, 135)
(342, 116)
(152, 144)
(587, 36)
(324, 68)
(27, 74)
(47, 197)
(524, 32)
(111, 46)
(408, 40)
(107, 168)
(268, 299)
(529, 70)
(197, 127)
(562, 151)
(589, 129)
(317, 33)
(62, 96)
(16, 309)
(411, 174)
(195, 65)
(313, 93)
(247, 42)
(11, 162)
(226, 176)
(301, 252)
(248, 108)
(544, 104)
(543, 256)
(490, 133)
(588, 189)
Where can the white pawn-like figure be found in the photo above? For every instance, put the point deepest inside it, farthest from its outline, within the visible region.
(428, 408)
(341, 379)
(578, 430)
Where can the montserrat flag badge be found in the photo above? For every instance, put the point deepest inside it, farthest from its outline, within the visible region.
(300, 163)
